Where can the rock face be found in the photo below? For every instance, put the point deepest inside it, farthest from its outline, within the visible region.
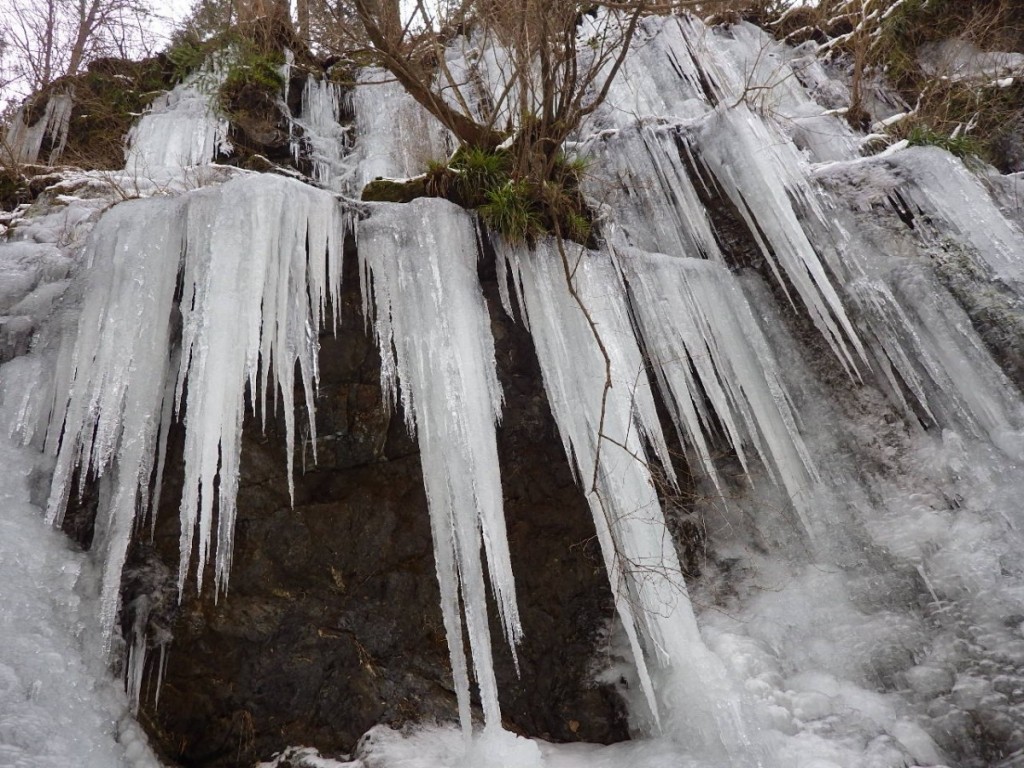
(332, 621)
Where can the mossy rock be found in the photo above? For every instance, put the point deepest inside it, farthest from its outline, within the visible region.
(388, 191)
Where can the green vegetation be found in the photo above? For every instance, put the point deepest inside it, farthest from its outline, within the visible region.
(253, 67)
(512, 210)
(186, 55)
(519, 208)
(962, 145)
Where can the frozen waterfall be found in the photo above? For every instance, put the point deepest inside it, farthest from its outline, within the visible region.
(811, 328)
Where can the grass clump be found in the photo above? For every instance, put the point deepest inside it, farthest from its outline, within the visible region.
(512, 210)
(961, 145)
(519, 208)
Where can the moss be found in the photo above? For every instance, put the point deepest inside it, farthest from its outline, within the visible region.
(388, 191)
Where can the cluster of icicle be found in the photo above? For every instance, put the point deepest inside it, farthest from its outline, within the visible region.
(249, 270)
(23, 141)
(725, 117)
(181, 129)
(259, 259)
(250, 309)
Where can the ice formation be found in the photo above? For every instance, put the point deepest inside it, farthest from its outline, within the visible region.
(181, 129)
(396, 137)
(713, 364)
(324, 141)
(736, 153)
(250, 306)
(433, 330)
(896, 643)
(58, 706)
(23, 142)
(597, 387)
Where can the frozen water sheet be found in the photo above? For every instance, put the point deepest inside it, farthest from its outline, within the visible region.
(59, 705)
(433, 330)
(181, 129)
(395, 136)
(327, 142)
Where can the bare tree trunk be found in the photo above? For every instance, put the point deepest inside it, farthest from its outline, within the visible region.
(302, 19)
(88, 11)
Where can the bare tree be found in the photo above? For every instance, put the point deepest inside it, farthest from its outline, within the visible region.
(48, 39)
(559, 58)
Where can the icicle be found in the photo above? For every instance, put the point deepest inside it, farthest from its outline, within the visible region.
(253, 300)
(182, 128)
(396, 137)
(434, 336)
(23, 142)
(710, 357)
(251, 305)
(327, 142)
(959, 206)
(639, 174)
(929, 341)
(120, 363)
(661, 76)
(603, 430)
(136, 666)
(686, 75)
(760, 172)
